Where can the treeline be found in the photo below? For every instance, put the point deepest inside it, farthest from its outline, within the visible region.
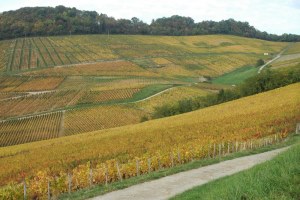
(44, 21)
(262, 82)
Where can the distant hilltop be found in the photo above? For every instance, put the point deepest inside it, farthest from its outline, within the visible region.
(44, 21)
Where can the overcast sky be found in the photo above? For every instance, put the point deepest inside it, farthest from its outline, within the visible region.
(273, 16)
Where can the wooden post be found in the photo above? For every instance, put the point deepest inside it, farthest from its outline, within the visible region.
(137, 168)
(69, 183)
(25, 189)
(149, 165)
(219, 150)
(49, 195)
(119, 172)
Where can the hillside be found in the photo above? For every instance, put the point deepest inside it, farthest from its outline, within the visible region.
(148, 56)
(44, 21)
(58, 86)
(240, 120)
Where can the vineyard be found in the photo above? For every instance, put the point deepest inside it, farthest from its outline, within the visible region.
(98, 118)
(108, 95)
(133, 55)
(90, 93)
(171, 97)
(31, 129)
(155, 139)
(28, 83)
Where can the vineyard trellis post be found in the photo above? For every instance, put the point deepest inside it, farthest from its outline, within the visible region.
(159, 164)
(49, 191)
(172, 159)
(149, 165)
(298, 128)
(137, 168)
(106, 175)
(25, 189)
(228, 148)
(119, 172)
(91, 177)
(69, 183)
(214, 151)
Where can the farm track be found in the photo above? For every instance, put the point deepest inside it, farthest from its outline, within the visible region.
(167, 187)
(274, 59)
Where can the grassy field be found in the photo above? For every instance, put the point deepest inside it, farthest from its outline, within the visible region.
(275, 179)
(273, 114)
(237, 76)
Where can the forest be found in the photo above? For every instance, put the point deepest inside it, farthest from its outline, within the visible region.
(46, 21)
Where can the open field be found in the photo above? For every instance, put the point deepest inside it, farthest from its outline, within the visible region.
(273, 114)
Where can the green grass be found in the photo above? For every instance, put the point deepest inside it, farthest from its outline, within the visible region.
(102, 189)
(278, 178)
(237, 76)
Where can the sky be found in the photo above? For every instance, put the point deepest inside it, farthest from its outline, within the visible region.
(273, 16)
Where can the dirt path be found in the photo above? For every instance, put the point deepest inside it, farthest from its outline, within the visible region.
(274, 59)
(169, 186)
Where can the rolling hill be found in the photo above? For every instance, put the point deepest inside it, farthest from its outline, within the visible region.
(240, 120)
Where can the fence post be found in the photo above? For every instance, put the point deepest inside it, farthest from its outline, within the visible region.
(25, 189)
(119, 172)
(49, 194)
(137, 168)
